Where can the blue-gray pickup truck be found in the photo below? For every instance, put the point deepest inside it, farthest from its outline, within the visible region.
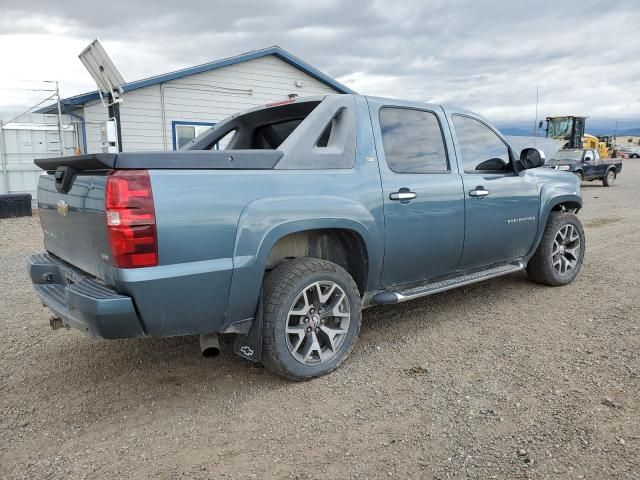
(281, 223)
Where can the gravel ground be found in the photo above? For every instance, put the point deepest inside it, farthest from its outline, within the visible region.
(504, 379)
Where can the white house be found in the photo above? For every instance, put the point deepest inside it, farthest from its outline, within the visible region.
(166, 111)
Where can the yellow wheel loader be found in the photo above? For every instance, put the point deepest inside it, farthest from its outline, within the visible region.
(571, 129)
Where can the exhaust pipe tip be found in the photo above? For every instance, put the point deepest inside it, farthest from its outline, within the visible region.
(209, 345)
(56, 323)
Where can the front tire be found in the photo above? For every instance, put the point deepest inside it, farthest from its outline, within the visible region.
(312, 317)
(559, 256)
(609, 179)
(580, 176)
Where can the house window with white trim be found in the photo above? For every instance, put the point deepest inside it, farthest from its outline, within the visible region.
(184, 132)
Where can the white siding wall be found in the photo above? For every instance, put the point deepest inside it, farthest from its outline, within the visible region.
(141, 118)
(204, 97)
(94, 114)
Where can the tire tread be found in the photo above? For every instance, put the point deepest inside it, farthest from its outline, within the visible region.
(539, 268)
(277, 286)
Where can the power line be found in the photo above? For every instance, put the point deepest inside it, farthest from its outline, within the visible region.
(28, 89)
(31, 108)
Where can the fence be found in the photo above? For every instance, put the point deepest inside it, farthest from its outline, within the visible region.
(29, 137)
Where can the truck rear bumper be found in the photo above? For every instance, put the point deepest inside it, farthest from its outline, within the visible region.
(81, 301)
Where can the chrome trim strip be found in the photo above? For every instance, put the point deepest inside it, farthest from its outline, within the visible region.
(403, 298)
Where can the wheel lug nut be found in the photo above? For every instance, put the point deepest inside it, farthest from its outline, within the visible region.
(309, 330)
(319, 310)
(312, 311)
(306, 319)
(317, 329)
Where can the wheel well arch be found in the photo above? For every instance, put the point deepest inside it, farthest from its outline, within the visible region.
(554, 203)
(567, 206)
(342, 246)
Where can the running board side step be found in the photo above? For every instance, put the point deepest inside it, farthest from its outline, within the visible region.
(389, 297)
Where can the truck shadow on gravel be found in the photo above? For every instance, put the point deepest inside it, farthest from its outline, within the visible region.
(157, 366)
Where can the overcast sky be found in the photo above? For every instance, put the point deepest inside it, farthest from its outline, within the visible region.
(485, 56)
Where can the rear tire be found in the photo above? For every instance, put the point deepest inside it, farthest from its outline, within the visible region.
(559, 256)
(312, 316)
(609, 178)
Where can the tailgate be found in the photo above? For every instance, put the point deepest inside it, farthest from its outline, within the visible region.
(73, 221)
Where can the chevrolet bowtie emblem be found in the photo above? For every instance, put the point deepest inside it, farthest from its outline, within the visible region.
(63, 208)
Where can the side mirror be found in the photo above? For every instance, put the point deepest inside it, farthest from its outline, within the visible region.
(531, 158)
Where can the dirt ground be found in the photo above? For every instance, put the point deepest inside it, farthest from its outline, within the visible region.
(504, 379)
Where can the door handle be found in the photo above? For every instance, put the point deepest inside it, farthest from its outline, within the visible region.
(479, 192)
(403, 194)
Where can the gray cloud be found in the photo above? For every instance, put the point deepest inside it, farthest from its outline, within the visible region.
(488, 56)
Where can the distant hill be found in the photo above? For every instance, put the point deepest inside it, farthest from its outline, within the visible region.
(633, 132)
(515, 131)
(523, 132)
(610, 131)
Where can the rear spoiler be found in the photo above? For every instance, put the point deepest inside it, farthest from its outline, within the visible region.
(94, 161)
(180, 160)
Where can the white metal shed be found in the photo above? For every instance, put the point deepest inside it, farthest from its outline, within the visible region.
(28, 137)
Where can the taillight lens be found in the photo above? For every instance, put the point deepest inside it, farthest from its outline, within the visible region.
(131, 219)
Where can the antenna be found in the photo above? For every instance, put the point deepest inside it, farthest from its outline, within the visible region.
(106, 75)
(535, 122)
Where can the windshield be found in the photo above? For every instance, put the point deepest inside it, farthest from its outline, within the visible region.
(559, 128)
(567, 155)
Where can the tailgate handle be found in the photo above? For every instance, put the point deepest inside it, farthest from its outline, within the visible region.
(64, 177)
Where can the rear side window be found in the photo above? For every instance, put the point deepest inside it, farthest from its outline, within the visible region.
(480, 148)
(412, 141)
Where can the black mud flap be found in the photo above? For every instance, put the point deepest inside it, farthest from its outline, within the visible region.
(249, 345)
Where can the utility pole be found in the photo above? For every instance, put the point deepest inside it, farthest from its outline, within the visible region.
(114, 114)
(3, 160)
(60, 120)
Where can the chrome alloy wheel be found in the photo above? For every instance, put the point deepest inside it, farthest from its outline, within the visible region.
(566, 249)
(318, 322)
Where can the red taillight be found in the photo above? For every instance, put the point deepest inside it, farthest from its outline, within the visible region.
(131, 219)
(283, 102)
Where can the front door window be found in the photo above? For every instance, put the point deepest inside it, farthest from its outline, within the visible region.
(480, 148)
